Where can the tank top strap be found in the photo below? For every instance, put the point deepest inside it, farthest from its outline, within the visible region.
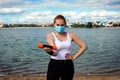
(68, 36)
(54, 36)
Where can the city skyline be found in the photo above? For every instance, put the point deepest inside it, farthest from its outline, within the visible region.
(44, 11)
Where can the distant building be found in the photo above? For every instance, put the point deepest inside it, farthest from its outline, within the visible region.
(1, 25)
(47, 25)
(116, 24)
(109, 24)
(69, 24)
(113, 24)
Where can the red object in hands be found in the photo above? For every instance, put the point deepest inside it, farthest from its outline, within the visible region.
(44, 45)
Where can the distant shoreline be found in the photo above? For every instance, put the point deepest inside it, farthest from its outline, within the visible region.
(53, 27)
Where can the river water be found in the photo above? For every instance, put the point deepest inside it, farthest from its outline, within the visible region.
(19, 54)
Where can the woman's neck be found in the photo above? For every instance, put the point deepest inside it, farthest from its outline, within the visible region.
(59, 34)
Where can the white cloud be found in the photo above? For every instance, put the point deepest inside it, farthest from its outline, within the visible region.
(73, 16)
(55, 4)
(104, 14)
(11, 10)
(9, 1)
(46, 10)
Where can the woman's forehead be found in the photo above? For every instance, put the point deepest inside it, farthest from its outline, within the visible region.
(59, 21)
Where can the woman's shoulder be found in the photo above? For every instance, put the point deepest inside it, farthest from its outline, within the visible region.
(71, 33)
(50, 35)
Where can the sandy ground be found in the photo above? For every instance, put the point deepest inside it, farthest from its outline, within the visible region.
(76, 77)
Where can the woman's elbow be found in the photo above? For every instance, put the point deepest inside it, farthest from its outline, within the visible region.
(85, 47)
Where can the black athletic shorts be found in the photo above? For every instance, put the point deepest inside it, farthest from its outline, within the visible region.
(60, 69)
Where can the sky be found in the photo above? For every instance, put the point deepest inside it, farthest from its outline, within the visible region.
(44, 11)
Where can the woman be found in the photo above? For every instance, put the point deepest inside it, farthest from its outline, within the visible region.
(61, 62)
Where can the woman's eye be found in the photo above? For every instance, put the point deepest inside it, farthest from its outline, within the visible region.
(60, 25)
(57, 24)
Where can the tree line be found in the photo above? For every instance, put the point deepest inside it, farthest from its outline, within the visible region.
(74, 25)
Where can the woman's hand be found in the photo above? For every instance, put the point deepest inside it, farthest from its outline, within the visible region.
(69, 57)
(48, 50)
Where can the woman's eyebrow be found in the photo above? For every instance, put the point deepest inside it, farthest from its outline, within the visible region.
(57, 24)
(60, 24)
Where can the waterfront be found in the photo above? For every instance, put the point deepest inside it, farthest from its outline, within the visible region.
(19, 54)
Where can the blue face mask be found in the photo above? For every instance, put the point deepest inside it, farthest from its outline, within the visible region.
(60, 29)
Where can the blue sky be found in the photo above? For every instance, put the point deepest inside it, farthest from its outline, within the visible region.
(44, 11)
